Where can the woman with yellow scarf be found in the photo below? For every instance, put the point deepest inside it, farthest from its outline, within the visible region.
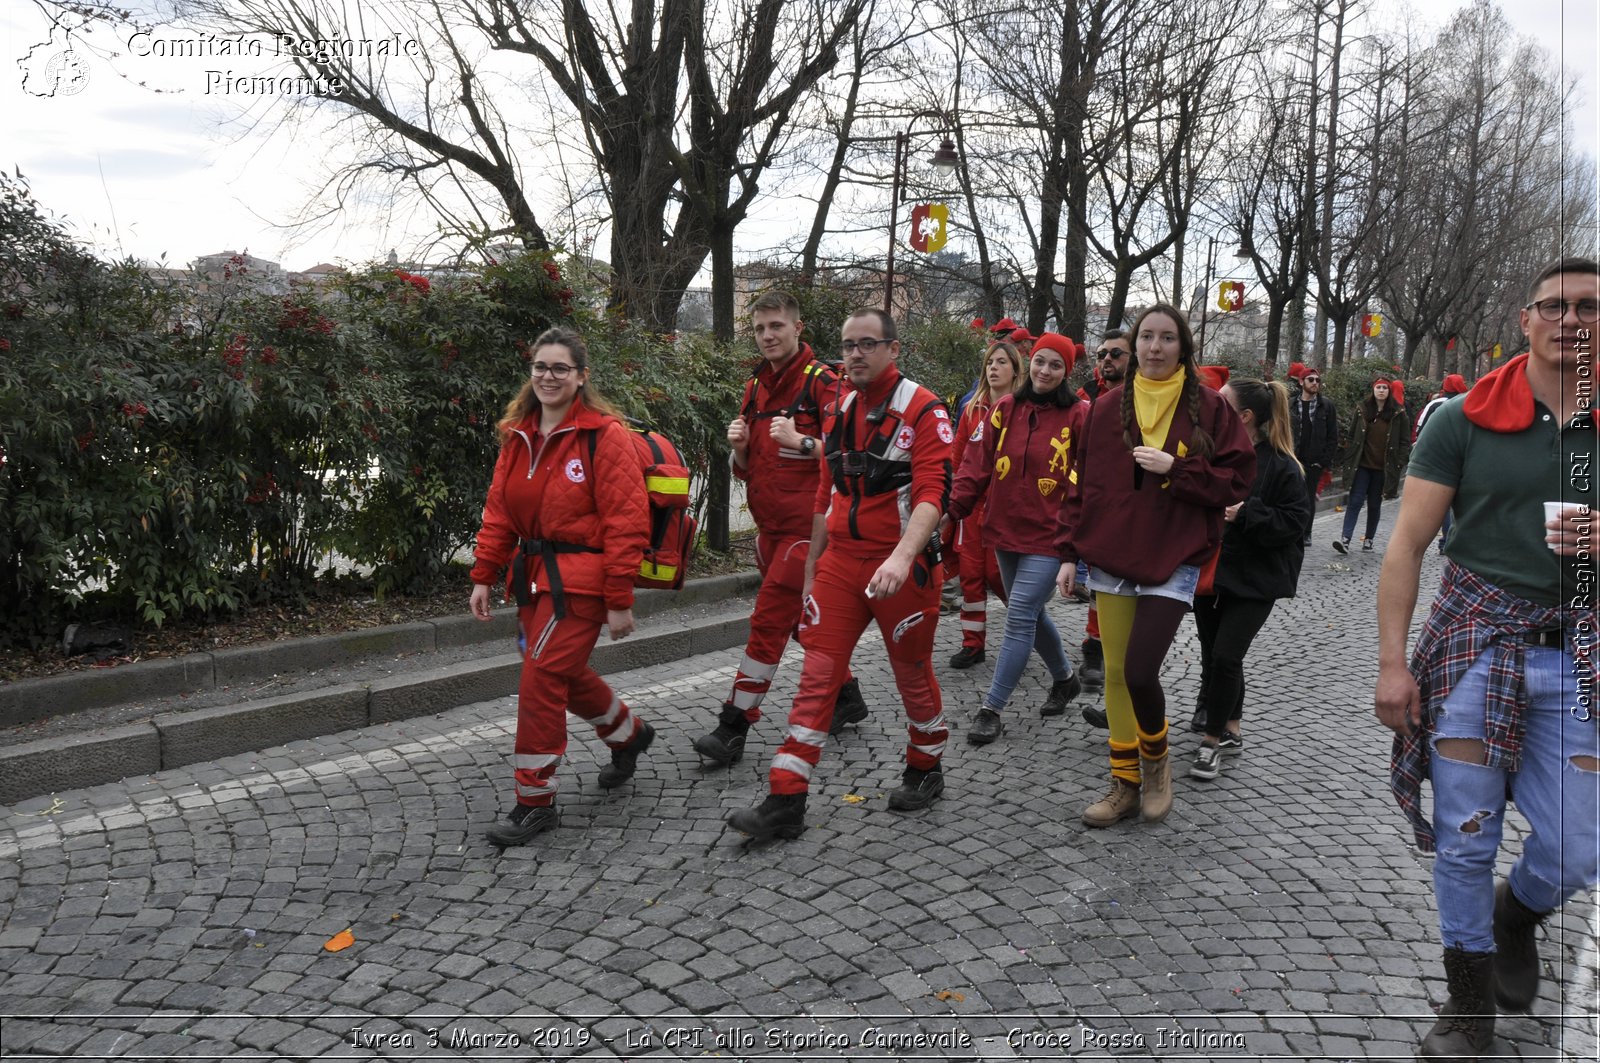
(1161, 458)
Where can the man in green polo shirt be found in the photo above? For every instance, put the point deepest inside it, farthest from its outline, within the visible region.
(1499, 692)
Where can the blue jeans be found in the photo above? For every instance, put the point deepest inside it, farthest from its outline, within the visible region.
(1554, 790)
(1367, 486)
(1030, 580)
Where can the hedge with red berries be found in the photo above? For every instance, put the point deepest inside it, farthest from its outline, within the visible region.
(188, 447)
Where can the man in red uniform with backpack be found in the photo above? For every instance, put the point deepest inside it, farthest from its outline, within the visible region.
(775, 453)
(873, 556)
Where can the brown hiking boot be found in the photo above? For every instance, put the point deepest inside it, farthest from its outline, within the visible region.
(1156, 800)
(1119, 803)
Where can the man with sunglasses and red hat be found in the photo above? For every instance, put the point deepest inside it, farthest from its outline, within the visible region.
(1315, 424)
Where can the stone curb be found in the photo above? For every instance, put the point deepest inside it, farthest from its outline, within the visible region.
(25, 700)
(174, 739)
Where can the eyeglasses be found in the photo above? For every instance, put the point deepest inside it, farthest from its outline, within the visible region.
(1109, 352)
(867, 346)
(1556, 309)
(1311, 380)
(559, 371)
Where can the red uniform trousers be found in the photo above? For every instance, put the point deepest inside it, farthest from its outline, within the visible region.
(837, 615)
(782, 561)
(556, 677)
(980, 574)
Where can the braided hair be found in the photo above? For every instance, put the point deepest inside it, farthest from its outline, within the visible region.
(1200, 443)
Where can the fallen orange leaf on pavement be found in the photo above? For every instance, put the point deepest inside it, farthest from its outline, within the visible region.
(340, 941)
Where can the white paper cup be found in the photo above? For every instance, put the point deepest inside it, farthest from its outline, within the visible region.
(1557, 511)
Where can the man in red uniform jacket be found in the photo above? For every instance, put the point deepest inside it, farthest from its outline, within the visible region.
(775, 452)
(887, 455)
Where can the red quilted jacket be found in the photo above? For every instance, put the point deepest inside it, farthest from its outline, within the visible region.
(548, 487)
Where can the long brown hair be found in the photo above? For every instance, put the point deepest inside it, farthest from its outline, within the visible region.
(984, 394)
(527, 400)
(1269, 401)
(1200, 443)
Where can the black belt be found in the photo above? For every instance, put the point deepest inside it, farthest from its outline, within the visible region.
(1554, 638)
(547, 549)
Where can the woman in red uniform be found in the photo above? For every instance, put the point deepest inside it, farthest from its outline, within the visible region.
(980, 572)
(1161, 457)
(568, 510)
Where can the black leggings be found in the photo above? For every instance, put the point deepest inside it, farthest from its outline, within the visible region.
(1228, 625)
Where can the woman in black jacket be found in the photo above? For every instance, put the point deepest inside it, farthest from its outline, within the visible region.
(1262, 547)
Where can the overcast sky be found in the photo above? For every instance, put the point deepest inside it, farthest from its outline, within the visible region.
(175, 172)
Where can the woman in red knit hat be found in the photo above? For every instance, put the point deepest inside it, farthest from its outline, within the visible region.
(1376, 448)
(1022, 461)
(1160, 459)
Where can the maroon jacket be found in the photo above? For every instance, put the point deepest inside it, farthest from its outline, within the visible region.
(1025, 459)
(1144, 532)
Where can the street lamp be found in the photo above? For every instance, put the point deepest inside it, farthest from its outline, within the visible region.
(1205, 297)
(946, 160)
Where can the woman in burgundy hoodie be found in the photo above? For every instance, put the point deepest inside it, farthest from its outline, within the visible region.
(1160, 459)
(1023, 460)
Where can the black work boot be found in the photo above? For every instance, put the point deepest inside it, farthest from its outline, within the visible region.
(779, 816)
(1094, 664)
(726, 744)
(1095, 716)
(1516, 956)
(967, 656)
(625, 760)
(522, 823)
(918, 789)
(1062, 691)
(849, 707)
(1465, 1029)
(986, 727)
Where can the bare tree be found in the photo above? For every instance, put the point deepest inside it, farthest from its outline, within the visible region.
(1483, 178)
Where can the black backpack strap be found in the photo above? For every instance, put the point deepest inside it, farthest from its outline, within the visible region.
(547, 549)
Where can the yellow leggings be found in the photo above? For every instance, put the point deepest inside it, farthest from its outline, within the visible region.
(1128, 738)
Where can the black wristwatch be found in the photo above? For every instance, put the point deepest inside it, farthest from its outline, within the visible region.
(808, 446)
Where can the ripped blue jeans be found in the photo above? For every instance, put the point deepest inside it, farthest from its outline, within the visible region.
(1557, 790)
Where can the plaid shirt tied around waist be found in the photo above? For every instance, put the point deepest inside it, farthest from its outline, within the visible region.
(1470, 616)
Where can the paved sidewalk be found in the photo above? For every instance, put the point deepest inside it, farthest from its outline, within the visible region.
(1278, 913)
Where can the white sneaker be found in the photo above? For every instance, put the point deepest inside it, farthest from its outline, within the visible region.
(1207, 763)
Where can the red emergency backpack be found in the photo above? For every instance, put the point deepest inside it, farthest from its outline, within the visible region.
(673, 529)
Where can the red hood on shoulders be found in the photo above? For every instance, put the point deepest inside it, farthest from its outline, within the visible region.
(1502, 401)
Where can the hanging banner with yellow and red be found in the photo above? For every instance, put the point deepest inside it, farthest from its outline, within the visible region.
(930, 227)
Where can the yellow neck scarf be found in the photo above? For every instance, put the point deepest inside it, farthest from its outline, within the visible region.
(1154, 402)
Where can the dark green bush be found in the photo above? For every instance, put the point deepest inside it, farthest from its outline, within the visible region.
(184, 448)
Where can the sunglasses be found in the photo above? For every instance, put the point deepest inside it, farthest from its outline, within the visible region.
(1107, 352)
(1311, 380)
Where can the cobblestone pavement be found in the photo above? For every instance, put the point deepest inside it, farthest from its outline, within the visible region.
(1278, 913)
